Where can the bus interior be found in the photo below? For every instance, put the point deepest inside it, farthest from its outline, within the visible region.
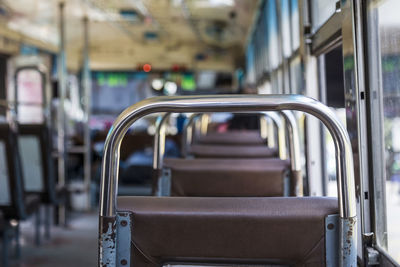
(191, 133)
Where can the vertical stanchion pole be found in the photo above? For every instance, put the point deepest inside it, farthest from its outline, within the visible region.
(87, 89)
(62, 88)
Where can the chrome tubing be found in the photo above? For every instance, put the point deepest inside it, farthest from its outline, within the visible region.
(188, 133)
(229, 103)
(294, 149)
(204, 121)
(294, 139)
(159, 141)
(265, 125)
(276, 119)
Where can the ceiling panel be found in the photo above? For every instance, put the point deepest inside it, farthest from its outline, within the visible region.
(168, 25)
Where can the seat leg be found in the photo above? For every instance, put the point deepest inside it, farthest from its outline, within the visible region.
(47, 221)
(37, 227)
(5, 247)
(17, 241)
(60, 215)
(63, 215)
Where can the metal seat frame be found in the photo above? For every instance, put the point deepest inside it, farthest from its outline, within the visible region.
(109, 249)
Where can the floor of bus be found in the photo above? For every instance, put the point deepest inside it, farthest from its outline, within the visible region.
(75, 245)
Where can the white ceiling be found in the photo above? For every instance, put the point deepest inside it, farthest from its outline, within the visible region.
(216, 29)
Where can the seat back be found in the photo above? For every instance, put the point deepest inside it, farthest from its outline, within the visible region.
(245, 231)
(12, 195)
(224, 178)
(227, 151)
(233, 137)
(35, 151)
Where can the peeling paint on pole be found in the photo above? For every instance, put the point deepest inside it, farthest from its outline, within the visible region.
(107, 246)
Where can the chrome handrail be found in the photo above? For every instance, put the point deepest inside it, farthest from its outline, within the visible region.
(276, 119)
(204, 122)
(294, 150)
(187, 134)
(294, 143)
(267, 131)
(159, 141)
(232, 103)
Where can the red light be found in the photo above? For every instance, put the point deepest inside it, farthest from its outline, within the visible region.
(175, 67)
(146, 67)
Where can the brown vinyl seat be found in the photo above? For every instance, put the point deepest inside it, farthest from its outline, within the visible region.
(225, 151)
(284, 231)
(234, 137)
(227, 177)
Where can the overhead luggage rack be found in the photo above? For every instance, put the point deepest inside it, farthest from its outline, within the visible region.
(121, 244)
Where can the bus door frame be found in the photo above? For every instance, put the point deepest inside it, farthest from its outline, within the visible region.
(343, 27)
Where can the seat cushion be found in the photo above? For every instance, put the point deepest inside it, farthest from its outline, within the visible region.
(241, 230)
(235, 137)
(227, 177)
(224, 151)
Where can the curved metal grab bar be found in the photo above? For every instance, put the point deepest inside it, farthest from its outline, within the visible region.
(159, 141)
(276, 119)
(264, 127)
(294, 144)
(204, 122)
(232, 103)
(294, 149)
(187, 135)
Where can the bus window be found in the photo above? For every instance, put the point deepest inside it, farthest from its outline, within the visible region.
(251, 75)
(296, 75)
(285, 26)
(30, 96)
(294, 20)
(273, 45)
(332, 94)
(322, 10)
(384, 57)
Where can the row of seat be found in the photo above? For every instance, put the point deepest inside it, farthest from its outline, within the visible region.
(27, 181)
(195, 221)
(240, 165)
